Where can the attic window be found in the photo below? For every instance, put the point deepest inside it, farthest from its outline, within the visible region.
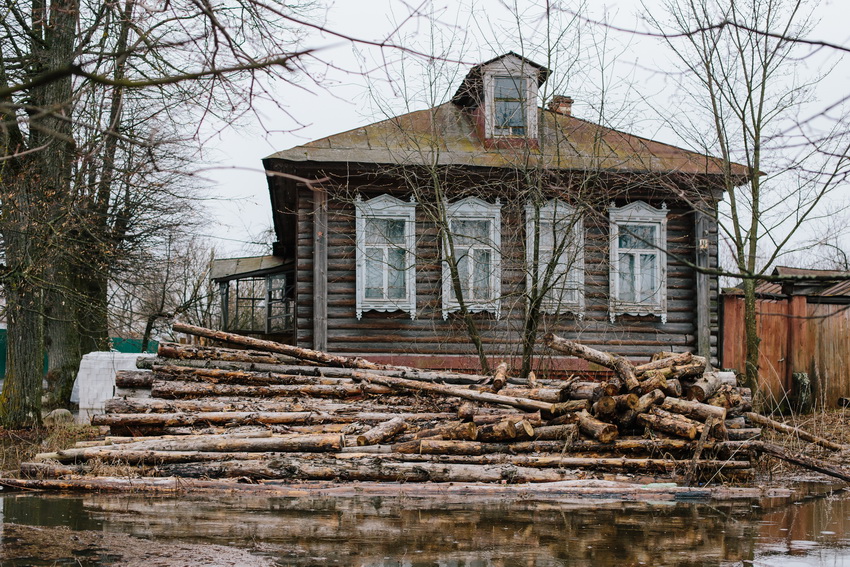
(509, 107)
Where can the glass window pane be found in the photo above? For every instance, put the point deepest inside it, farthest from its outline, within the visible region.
(547, 236)
(396, 281)
(375, 231)
(508, 87)
(510, 114)
(463, 274)
(626, 274)
(471, 232)
(395, 231)
(481, 275)
(648, 283)
(374, 268)
(637, 236)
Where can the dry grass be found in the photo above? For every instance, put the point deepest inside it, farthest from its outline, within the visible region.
(18, 446)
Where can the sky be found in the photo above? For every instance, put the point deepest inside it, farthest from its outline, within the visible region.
(351, 85)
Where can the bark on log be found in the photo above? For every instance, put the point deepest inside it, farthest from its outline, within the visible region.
(743, 433)
(382, 432)
(653, 380)
(599, 430)
(551, 395)
(502, 431)
(133, 378)
(726, 396)
(799, 460)
(556, 432)
(466, 411)
(197, 352)
(459, 430)
(522, 403)
(794, 431)
(364, 469)
(622, 367)
(676, 427)
(200, 418)
(694, 409)
(501, 377)
(666, 362)
(604, 407)
(174, 390)
(586, 391)
(704, 387)
(626, 401)
(673, 388)
(239, 377)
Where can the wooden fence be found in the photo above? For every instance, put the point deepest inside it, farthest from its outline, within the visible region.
(797, 335)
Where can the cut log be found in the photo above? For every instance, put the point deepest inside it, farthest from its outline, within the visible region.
(793, 431)
(622, 367)
(197, 352)
(799, 460)
(551, 395)
(183, 390)
(532, 379)
(201, 418)
(240, 377)
(382, 432)
(705, 386)
(599, 430)
(565, 432)
(673, 388)
(453, 391)
(743, 433)
(604, 407)
(134, 378)
(466, 411)
(694, 409)
(500, 378)
(505, 430)
(460, 430)
(726, 396)
(626, 401)
(572, 406)
(653, 380)
(665, 362)
(585, 391)
(678, 427)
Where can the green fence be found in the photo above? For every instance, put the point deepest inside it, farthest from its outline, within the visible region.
(118, 344)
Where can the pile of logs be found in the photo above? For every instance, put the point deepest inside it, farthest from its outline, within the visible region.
(266, 410)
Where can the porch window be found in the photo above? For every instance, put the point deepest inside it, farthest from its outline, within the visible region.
(556, 232)
(472, 246)
(261, 304)
(638, 256)
(386, 266)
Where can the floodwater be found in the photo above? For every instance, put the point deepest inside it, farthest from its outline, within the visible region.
(239, 529)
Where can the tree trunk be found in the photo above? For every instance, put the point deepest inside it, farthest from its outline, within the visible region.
(751, 373)
(20, 402)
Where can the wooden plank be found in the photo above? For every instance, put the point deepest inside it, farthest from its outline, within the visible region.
(702, 285)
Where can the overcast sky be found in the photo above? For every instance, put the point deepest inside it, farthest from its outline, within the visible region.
(346, 80)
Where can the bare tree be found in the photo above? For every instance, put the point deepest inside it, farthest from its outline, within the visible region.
(745, 85)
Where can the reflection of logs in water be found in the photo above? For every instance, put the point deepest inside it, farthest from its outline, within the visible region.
(369, 528)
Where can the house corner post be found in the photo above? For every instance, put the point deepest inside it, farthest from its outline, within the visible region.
(320, 269)
(703, 284)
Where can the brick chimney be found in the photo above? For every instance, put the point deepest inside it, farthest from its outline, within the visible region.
(562, 105)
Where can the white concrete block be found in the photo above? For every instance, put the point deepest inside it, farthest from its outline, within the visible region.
(96, 379)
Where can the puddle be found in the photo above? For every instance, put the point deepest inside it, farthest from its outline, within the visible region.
(813, 529)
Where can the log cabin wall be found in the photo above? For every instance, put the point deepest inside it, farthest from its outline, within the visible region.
(430, 341)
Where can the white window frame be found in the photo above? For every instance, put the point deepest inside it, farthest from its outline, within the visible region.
(567, 275)
(510, 67)
(475, 209)
(639, 213)
(386, 207)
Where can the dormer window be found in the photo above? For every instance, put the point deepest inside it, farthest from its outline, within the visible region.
(509, 106)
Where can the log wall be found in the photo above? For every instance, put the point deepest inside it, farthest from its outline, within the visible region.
(428, 340)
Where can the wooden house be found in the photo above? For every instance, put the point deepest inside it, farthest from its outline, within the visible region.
(402, 239)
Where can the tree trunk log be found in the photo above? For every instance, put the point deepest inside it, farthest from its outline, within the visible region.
(794, 431)
(382, 432)
(457, 430)
(621, 366)
(667, 362)
(678, 427)
(551, 395)
(694, 409)
(599, 430)
(183, 390)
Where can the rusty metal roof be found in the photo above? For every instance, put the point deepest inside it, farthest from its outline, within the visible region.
(446, 135)
(812, 283)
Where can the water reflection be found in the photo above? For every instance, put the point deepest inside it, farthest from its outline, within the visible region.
(413, 532)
